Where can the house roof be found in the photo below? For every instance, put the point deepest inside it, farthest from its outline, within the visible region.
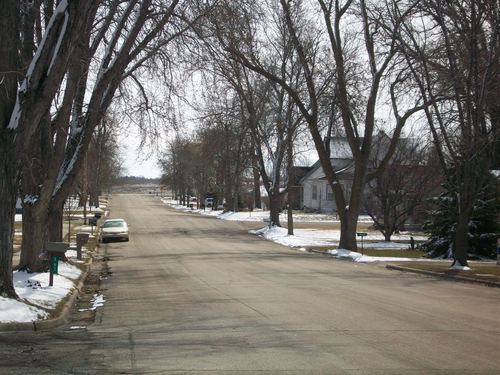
(339, 148)
(342, 171)
(341, 154)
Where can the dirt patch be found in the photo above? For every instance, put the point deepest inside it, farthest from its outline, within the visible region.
(83, 313)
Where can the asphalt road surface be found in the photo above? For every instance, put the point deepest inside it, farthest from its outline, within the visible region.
(195, 295)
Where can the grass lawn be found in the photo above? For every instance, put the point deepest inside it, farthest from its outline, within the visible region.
(393, 253)
(324, 225)
(374, 252)
(482, 271)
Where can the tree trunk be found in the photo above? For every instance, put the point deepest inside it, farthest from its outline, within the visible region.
(35, 197)
(275, 208)
(291, 181)
(290, 219)
(9, 47)
(83, 203)
(461, 243)
(349, 220)
(7, 214)
(94, 197)
(34, 236)
(387, 236)
(348, 224)
(56, 224)
(256, 185)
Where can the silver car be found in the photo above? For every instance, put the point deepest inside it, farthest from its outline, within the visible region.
(114, 229)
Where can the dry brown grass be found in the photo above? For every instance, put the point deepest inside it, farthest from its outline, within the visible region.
(479, 270)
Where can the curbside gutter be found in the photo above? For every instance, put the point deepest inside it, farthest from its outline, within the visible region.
(46, 324)
(493, 284)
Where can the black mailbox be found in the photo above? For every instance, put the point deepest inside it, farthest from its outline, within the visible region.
(97, 215)
(93, 221)
(56, 248)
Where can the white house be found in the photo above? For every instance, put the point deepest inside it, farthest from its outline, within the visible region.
(317, 193)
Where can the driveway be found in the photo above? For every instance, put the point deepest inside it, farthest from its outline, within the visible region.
(195, 295)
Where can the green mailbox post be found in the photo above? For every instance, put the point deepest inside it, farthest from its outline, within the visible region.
(54, 264)
(362, 235)
(55, 250)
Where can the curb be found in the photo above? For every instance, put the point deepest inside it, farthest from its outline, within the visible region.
(324, 253)
(38, 325)
(493, 284)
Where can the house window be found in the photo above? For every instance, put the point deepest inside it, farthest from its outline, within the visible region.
(329, 193)
(314, 192)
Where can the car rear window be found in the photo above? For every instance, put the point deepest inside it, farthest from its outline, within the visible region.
(113, 224)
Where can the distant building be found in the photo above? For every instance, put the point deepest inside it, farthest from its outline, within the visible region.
(316, 192)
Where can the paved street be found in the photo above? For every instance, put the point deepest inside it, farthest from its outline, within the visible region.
(196, 295)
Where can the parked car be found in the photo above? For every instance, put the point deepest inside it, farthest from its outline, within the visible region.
(114, 229)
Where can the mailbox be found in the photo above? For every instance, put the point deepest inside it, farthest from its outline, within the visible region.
(97, 215)
(93, 221)
(56, 248)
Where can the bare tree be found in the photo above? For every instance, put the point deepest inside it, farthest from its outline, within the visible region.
(270, 114)
(453, 53)
(357, 107)
(131, 33)
(398, 193)
(24, 107)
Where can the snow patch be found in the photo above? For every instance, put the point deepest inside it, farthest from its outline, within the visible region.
(16, 113)
(77, 327)
(459, 267)
(301, 238)
(60, 39)
(97, 301)
(13, 311)
(30, 199)
(35, 294)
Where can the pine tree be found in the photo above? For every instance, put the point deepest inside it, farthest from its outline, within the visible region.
(482, 227)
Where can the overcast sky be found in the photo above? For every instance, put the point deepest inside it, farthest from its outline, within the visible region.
(137, 162)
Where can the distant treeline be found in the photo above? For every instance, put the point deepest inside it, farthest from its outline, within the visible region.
(133, 180)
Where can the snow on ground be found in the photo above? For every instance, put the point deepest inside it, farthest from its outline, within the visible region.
(97, 301)
(311, 237)
(16, 311)
(18, 218)
(301, 238)
(37, 298)
(359, 258)
(315, 237)
(34, 289)
(259, 215)
(459, 267)
(385, 245)
(73, 255)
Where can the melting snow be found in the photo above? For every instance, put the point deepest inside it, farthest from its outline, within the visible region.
(97, 301)
(34, 289)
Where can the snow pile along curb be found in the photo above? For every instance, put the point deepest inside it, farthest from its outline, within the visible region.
(37, 298)
(280, 235)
